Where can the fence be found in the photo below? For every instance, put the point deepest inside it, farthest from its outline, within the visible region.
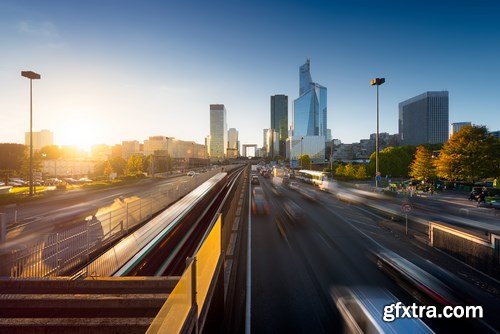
(184, 306)
(480, 253)
(63, 252)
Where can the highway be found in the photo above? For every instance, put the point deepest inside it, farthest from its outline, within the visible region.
(48, 209)
(295, 265)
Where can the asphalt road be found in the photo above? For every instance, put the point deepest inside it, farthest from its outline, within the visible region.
(100, 197)
(295, 265)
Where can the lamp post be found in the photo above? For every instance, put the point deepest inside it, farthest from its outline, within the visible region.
(31, 75)
(300, 158)
(377, 82)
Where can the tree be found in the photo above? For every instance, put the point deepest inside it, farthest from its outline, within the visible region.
(393, 161)
(12, 156)
(422, 168)
(50, 152)
(118, 164)
(339, 171)
(350, 170)
(305, 161)
(108, 169)
(135, 164)
(470, 154)
(361, 173)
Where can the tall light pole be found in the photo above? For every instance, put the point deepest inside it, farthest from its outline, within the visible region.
(377, 82)
(301, 138)
(31, 75)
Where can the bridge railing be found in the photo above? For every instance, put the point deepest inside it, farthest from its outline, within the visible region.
(185, 308)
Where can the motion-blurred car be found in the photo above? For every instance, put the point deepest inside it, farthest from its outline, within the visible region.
(293, 185)
(259, 202)
(368, 310)
(413, 278)
(255, 179)
(191, 173)
(293, 211)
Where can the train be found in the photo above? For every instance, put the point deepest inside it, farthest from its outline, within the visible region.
(124, 258)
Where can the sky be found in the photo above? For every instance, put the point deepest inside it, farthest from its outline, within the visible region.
(126, 70)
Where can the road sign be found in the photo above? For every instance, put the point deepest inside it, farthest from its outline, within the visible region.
(406, 207)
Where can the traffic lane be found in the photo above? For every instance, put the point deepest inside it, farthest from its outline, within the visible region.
(283, 298)
(104, 196)
(348, 217)
(340, 256)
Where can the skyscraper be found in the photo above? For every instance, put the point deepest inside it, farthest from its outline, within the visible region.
(218, 131)
(309, 118)
(310, 108)
(279, 121)
(455, 127)
(423, 119)
(233, 146)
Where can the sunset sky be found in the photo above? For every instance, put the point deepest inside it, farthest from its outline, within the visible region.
(125, 70)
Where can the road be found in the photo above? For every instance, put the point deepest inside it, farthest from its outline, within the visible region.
(295, 265)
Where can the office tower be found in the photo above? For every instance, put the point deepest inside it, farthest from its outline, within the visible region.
(279, 121)
(455, 127)
(423, 119)
(218, 131)
(40, 139)
(309, 119)
(233, 146)
(271, 142)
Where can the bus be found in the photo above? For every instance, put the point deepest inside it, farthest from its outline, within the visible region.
(311, 176)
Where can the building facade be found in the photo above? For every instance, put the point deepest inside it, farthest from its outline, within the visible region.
(129, 148)
(309, 117)
(424, 119)
(40, 139)
(271, 142)
(279, 121)
(455, 127)
(218, 131)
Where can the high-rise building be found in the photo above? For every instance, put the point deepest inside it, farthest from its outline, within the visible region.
(218, 131)
(233, 144)
(129, 148)
(279, 121)
(310, 108)
(455, 127)
(423, 119)
(309, 118)
(40, 139)
(271, 142)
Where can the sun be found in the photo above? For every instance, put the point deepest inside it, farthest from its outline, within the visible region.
(77, 132)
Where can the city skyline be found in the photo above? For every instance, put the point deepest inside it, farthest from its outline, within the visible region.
(104, 81)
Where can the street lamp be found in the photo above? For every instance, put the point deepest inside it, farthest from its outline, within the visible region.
(301, 138)
(31, 75)
(377, 82)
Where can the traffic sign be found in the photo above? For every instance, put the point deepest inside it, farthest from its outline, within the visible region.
(406, 207)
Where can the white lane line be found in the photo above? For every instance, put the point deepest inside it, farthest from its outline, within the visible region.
(322, 238)
(249, 263)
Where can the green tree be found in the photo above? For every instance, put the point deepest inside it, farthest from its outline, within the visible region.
(422, 168)
(470, 154)
(118, 164)
(393, 161)
(305, 161)
(135, 164)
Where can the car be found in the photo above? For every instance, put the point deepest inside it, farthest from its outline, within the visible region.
(2, 184)
(255, 179)
(191, 173)
(293, 211)
(266, 174)
(259, 202)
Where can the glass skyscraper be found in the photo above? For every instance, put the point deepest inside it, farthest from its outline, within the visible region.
(309, 118)
(218, 131)
(279, 121)
(310, 109)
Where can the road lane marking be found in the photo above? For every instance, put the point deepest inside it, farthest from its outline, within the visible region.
(249, 263)
(324, 240)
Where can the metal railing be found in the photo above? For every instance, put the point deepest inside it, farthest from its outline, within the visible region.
(183, 307)
(60, 253)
